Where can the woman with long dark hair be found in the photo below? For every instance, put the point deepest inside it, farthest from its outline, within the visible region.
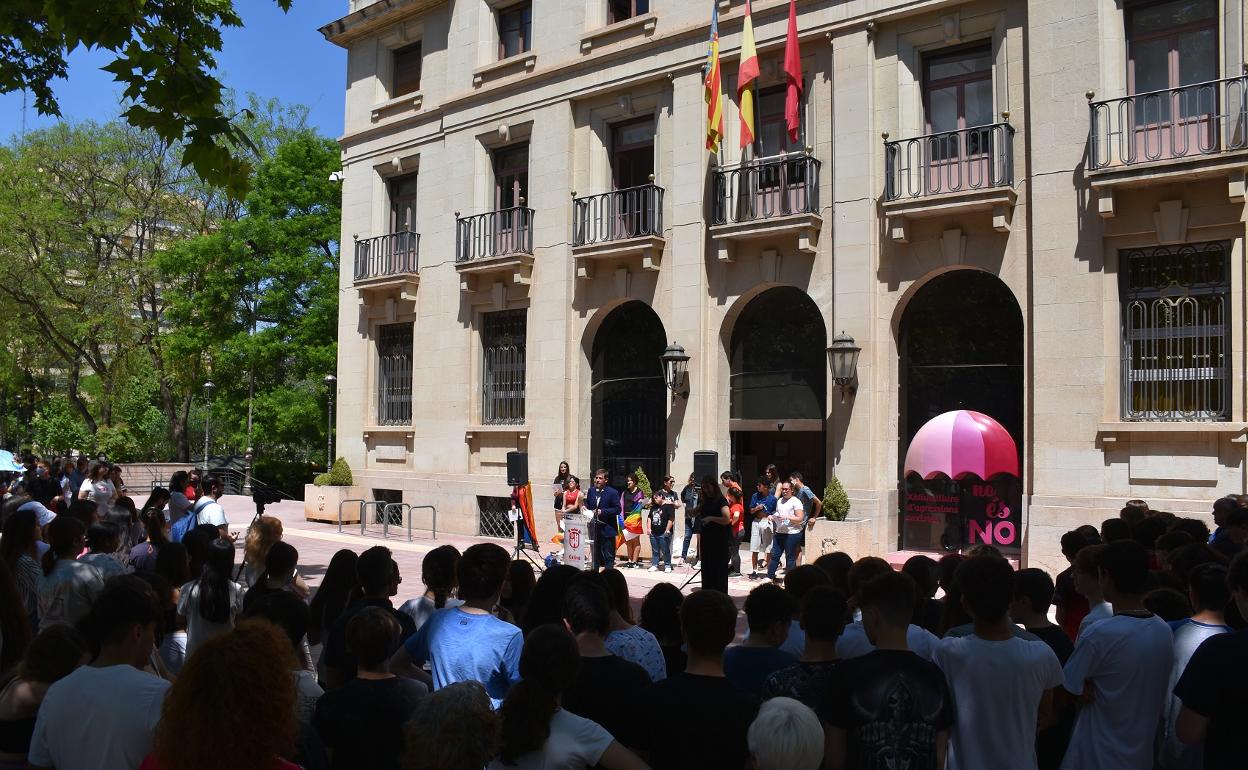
(560, 484)
(631, 642)
(52, 656)
(437, 571)
(518, 589)
(338, 588)
(67, 586)
(210, 603)
(19, 549)
(15, 630)
(143, 556)
(660, 615)
(537, 732)
(546, 601)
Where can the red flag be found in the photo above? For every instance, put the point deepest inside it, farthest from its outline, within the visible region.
(793, 74)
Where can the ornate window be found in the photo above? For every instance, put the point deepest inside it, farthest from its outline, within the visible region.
(503, 367)
(394, 374)
(1175, 335)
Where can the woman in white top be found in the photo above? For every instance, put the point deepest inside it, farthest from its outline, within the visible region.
(67, 586)
(537, 733)
(100, 488)
(438, 573)
(210, 603)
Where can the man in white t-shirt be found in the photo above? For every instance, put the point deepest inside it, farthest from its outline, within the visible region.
(786, 523)
(207, 510)
(103, 716)
(996, 677)
(1120, 670)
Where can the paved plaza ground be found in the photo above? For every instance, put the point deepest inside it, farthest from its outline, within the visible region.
(318, 542)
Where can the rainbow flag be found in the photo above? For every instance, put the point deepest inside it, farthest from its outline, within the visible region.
(714, 102)
(525, 494)
(747, 73)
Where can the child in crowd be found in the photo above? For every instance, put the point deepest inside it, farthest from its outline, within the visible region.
(769, 611)
(468, 642)
(995, 676)
(889, 691)
(713, 714)
(822, 620)
(1088, 584)
(1123, 663)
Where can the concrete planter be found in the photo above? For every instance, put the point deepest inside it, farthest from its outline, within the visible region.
(852, 536)
(321, 503)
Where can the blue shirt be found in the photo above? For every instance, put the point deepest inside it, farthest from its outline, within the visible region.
(748, 667)
(766, 500)
(463, 647)
(807, 497)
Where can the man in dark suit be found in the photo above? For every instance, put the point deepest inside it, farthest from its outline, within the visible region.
(604, 501)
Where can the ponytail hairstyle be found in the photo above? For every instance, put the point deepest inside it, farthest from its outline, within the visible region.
(154, 522)
(214, 584)
(438, 573)
(63, 535)
(548, 665)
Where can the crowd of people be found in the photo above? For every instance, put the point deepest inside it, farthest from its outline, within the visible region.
(148, 645)
(718, 520)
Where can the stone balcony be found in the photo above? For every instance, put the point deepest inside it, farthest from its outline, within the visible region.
(622, 225)
(772, 199)
(388, 266)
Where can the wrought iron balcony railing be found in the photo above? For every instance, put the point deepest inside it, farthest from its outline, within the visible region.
(393, 254)
(765, 189)
(949, 162)
(618, 215)
(494, 234)
(1207, 118)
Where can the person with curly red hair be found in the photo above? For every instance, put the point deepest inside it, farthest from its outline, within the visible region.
(233, 705)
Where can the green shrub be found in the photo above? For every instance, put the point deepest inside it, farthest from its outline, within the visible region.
(643, 483)
(338, 476)
(835, 501)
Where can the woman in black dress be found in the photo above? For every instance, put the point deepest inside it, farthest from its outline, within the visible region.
(713, 514)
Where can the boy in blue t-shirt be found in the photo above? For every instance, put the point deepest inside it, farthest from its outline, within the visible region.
(762, 505)
(467, 643)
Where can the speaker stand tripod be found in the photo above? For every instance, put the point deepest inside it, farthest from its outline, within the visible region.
(692, 577)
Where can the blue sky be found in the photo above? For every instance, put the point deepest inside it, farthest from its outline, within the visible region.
(275, 55)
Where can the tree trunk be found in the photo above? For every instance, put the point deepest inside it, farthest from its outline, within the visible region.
(75, 374)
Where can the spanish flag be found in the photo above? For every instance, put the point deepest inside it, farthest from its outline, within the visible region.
(747, 73)
(714, 102)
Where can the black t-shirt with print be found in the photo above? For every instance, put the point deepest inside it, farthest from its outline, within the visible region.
(891, 704)
(662, 515)
(808, 683)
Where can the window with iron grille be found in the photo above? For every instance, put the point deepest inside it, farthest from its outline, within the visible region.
(1175, 326)
(492, 519)
(394, 374)
(503, 370)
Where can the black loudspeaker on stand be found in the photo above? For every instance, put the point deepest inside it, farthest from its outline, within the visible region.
(705, 463)
(517, 469)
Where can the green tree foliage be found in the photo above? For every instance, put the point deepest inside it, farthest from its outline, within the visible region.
(129, 282)
(165, 60)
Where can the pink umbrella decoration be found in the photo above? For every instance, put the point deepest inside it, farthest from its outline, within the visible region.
(962, 443)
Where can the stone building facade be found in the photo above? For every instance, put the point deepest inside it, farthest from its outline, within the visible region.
(1027, 208)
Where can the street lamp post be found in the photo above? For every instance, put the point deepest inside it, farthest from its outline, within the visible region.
(247, 476)
(208, 387)
(331, 383)
(843, 361)
(675, 364)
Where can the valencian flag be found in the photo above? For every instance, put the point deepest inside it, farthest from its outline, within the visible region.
(747, 73)
(714, 102)
(793, 76)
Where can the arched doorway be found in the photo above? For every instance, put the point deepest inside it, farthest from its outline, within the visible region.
(628, 399)
(961, 347)
(777, 398)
